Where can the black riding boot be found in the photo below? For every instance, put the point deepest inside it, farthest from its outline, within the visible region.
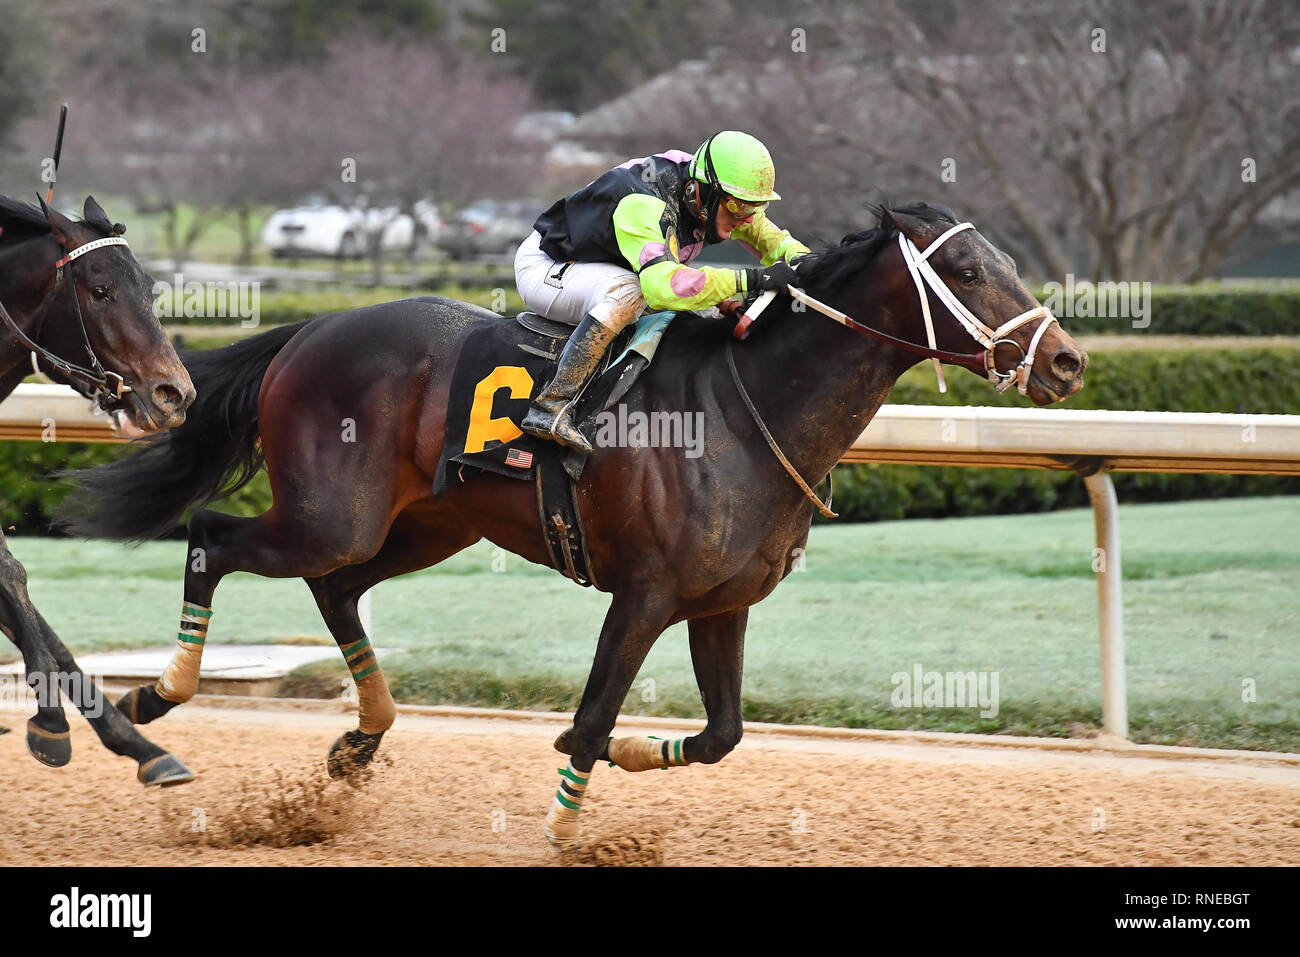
(551, 414)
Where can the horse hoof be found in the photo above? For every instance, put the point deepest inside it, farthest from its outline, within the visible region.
(562, 742)
(143, 704)
(3, 729)
(164, 771)
(352, 752)
(51, 748)
(563, 843)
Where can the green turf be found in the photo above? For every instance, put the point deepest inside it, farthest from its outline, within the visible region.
(1210, 600)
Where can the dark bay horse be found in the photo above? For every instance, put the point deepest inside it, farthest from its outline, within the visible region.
(84, 308)
(672, 538)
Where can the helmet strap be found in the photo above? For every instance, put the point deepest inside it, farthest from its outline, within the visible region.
(709, 198)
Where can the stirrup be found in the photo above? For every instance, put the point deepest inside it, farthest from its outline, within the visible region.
(565, 431)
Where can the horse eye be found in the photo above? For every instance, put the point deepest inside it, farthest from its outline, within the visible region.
(100, 293)
(968, 276)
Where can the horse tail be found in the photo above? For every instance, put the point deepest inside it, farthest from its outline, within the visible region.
(145, 495)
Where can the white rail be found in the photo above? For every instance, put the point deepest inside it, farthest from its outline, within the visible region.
(1091, 443)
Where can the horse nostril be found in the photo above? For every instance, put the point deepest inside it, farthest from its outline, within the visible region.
(1067, 365)
(167, 397)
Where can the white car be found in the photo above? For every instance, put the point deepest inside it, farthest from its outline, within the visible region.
(318, 229)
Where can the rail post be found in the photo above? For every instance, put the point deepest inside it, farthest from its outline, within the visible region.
(1110, 595)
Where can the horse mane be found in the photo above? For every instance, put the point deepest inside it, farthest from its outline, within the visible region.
(824, 271)
(22, 221)
(832, 266)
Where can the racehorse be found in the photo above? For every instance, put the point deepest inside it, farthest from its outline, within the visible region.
(75, 294)
(671, 538)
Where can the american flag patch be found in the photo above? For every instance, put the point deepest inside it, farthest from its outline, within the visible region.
(519, 459)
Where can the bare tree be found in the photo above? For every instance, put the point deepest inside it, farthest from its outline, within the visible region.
(1157, 132)
(376, 127)
(411, 123)
(1102, 138)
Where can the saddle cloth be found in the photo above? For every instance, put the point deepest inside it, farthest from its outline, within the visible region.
(502, 365)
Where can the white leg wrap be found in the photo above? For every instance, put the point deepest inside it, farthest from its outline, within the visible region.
(562, 828)
(180, 679)
(377, 711)
(646, 754)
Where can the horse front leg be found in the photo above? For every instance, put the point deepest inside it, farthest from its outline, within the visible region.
(632, 624)
(156, 766)
(717, 652)
(57, 671)
(47, 731)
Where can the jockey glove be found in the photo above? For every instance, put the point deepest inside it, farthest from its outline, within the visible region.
(776, 276)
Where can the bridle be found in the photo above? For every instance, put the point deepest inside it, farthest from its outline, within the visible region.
(923, 274)
(104, 387)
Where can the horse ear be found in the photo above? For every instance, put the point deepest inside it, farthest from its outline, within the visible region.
(913, 227)
(63, 228)
(93, 212)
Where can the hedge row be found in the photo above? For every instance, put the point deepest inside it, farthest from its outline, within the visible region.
(1194, 380)
(1252, 380)
(1176, 310)
(1169, 310)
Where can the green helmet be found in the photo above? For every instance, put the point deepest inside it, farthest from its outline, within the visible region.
(739, 164)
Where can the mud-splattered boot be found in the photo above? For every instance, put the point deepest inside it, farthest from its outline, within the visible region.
(551, 414)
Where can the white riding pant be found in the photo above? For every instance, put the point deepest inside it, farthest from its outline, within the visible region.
(566, 292)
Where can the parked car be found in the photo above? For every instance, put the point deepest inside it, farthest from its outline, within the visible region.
(490, 227)
(321, 229)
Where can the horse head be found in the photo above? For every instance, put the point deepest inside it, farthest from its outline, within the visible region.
(88, 307)
(968, 292)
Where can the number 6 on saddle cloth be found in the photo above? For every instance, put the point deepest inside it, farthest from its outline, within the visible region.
(502, 363)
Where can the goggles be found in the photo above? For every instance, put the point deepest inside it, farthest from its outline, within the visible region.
(742, 209)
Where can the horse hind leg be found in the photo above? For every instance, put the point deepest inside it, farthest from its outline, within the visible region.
(179, 681)
(285, 542)
(410, 546)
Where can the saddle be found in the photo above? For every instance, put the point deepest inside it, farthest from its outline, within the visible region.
(502, 364)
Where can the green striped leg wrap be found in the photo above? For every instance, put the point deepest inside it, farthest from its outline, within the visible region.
(194, 624)
(674, 753)
(360, 658)
(562, 819)
(375, 707)
(180, 679)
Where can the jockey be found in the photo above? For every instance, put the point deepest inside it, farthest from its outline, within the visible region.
(598, 257)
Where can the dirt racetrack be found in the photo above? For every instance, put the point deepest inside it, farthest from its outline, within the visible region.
(459, 790)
